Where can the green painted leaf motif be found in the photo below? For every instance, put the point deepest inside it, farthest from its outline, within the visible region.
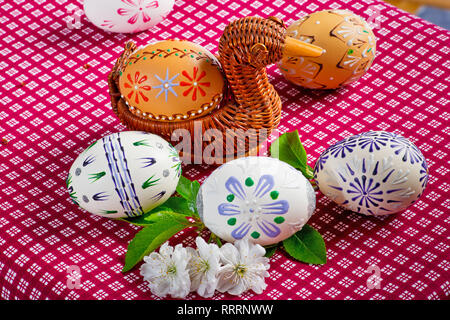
(141, 143)
(91, 145)
(68, 180)
(150, 238)
(96, 176)
(72, 193)
(177, 167)
(108, 211)
(288, 148)
(73, 196)
(307, 246)
(150, 183)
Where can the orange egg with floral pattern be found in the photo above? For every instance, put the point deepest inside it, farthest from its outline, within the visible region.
(172, 80)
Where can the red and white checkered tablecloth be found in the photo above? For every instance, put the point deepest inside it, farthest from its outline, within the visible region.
(51, 108)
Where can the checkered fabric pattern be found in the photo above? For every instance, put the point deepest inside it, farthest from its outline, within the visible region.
(54, 103)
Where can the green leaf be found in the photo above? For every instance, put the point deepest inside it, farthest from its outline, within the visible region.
(288, 148)
(309, 172)
(153, 216)
(270, 251)
(307, 246)
(174, 206)
(188, 189)
(179, 205)
(150, 238)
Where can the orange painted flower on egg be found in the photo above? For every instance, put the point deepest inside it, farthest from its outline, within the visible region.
(137, 86)
(194, 84)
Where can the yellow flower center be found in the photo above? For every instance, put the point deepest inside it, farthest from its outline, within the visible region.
(240, 270)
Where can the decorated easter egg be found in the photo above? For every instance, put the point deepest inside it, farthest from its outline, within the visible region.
(124, 174)
(127, 16)
(349, 45)
(261, 199)
(171, 80)
(373, 173)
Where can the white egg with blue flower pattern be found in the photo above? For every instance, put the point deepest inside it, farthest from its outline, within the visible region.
(261, 199)
(373, 173)
(124, 174)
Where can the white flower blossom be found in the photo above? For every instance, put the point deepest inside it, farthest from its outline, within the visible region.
(245, 267)
(166, 271)
(203, 267)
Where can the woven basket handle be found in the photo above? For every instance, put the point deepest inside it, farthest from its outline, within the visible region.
(130, 47)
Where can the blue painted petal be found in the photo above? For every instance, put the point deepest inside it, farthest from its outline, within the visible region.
(234, 186)
(148, 162)
(241, 231)
(270, 229)
(101, 196)
(158, 196)
(88, 160)
(159, 93)
(173, 78)
(265, 184)
(228, 209)
(278, 207)
(171, 90)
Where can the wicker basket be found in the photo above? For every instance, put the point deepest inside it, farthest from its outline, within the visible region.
(246, 47)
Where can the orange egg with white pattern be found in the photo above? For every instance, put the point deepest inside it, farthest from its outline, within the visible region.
(172, 80)
(349, 45)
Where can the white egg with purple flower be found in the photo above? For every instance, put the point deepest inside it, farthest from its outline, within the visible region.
(261, 199)
(124, 174)
(373, 173)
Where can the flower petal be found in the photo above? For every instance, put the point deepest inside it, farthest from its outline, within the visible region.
(225, 279)
(270, 229)
(234, 186)
(133, 19)
(124, 12)
(229, 254)
(278, 207)
(153, 4)
(241, 231)
(129, 2)
(228, 209)
(238, 289)
(145, 17)
(165, 250)
(265, 184)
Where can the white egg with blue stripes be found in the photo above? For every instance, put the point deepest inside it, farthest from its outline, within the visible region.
(124, 174)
